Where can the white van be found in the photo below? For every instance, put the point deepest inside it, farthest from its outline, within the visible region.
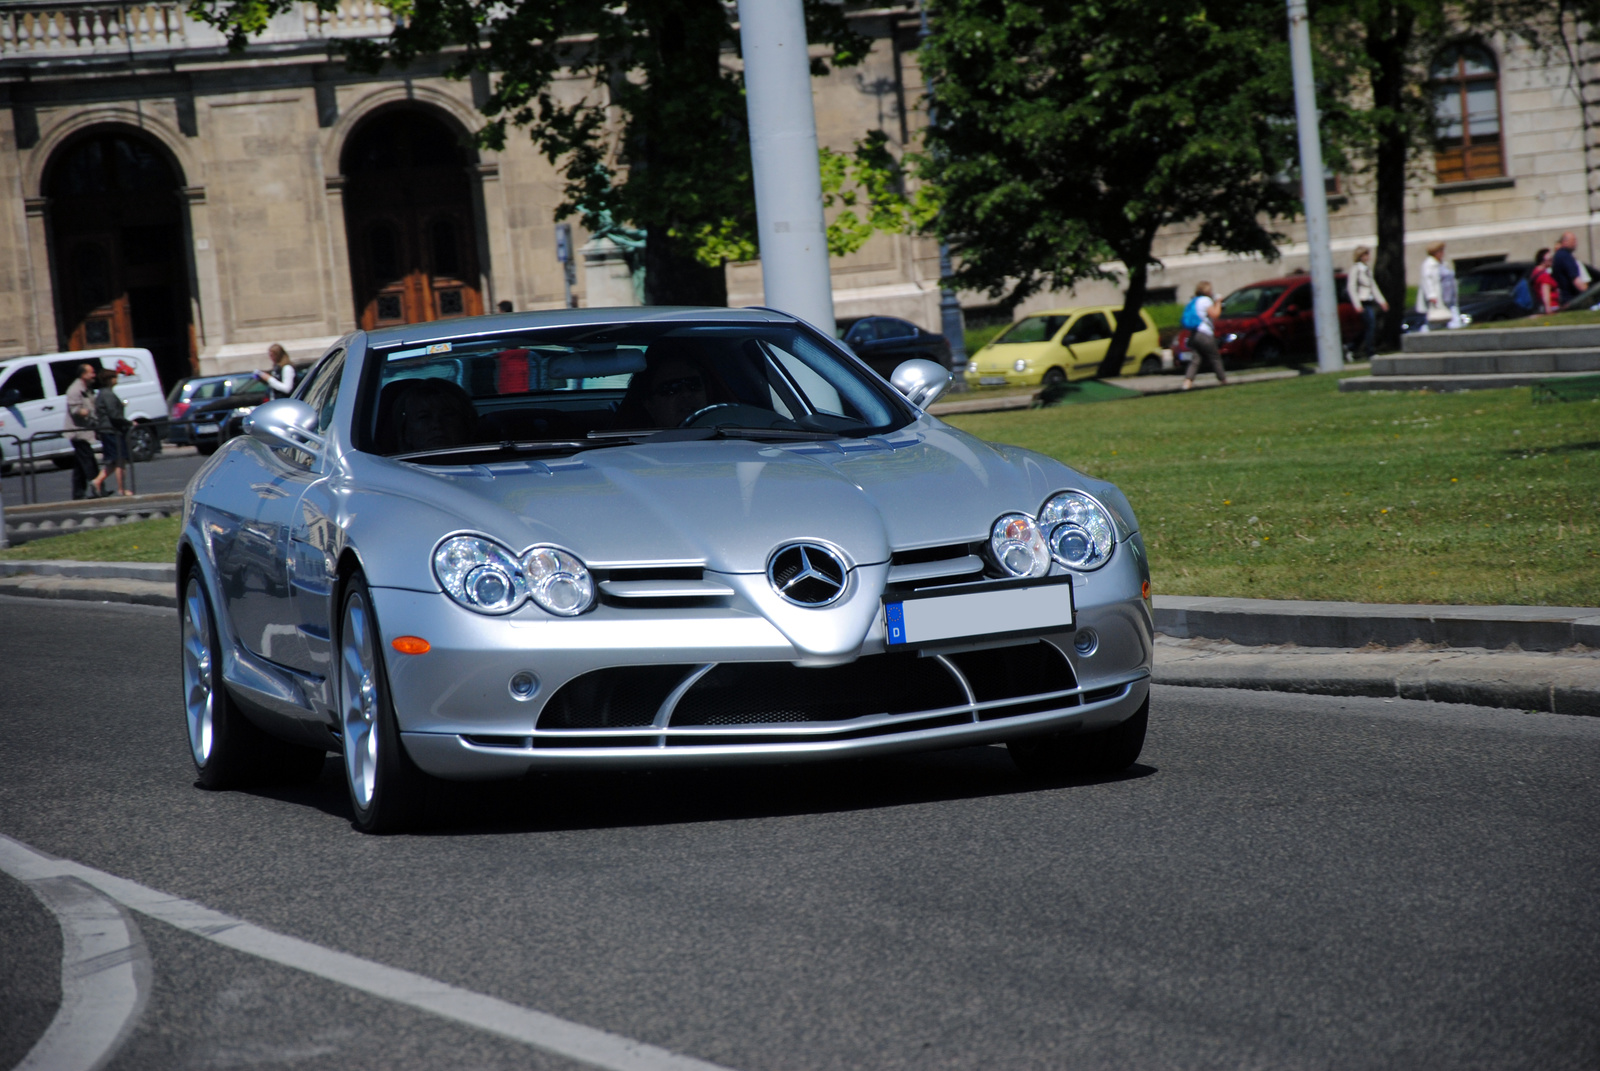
(33, 399)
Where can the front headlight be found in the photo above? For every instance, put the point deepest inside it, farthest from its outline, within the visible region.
(1078, 530)
(558, 581)
(1020, 365)
(1018, 546)
(480, 575)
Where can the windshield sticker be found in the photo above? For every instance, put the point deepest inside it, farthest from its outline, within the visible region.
(420, 351)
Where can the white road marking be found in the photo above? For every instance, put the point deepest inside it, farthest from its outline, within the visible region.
(584, 1044)
(105, 976)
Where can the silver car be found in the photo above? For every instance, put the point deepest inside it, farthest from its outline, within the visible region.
(636, 538)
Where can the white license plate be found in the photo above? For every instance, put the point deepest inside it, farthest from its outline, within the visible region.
(989, 610)
(991, 381)
(204, 429)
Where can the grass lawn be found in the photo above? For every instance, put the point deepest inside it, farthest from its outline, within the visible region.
(141, 541)
(1291, 490)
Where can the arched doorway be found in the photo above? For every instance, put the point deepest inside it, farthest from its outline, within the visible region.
(117, 244)
(409, 220)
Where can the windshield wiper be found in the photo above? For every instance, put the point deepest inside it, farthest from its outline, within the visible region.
(724, 431)
(502, 449)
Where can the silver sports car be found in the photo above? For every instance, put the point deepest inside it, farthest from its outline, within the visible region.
(636, 537)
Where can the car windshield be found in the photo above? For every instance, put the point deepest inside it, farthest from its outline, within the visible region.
(1251, 300)
(1032, 329)
(580, 386)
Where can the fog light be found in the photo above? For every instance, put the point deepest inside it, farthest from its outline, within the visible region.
(1085, 642)
(524, 686)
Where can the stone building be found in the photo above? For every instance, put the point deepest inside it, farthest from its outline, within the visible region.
(156, 190)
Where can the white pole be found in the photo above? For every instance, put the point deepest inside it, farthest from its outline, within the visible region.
(783, 152)
(1324, 302)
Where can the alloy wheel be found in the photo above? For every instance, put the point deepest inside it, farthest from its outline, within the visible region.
(358, 701)
(198, 697)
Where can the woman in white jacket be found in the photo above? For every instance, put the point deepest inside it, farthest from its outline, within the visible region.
(1430, 291)
(280, 381)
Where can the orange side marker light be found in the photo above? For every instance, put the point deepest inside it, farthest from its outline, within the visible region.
(1144, 592)
(411, 645)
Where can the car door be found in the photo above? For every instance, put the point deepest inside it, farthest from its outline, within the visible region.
(1294, 322)
(1087, 340)
(28, 406)
(897, 342)
(314, 537)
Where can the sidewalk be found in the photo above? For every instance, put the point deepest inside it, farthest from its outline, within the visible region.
(1541, 658)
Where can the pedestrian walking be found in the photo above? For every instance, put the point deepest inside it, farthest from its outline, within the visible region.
(111, 424)
(1201, 317)
(1430, 290)
(80, 419)
(1368, 298)
(1542, 285)
(1570, 275)
(280, 380)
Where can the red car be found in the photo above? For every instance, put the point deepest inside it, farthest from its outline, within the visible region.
(1270, 321)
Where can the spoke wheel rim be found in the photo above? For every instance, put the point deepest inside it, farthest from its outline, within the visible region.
(199, 698)
(358, 702)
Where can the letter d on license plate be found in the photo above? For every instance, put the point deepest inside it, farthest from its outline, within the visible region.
(978, 611)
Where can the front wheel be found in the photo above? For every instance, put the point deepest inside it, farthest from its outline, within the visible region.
(386, 788)
(1150, 366)
(1054, 378)
(1109, 751)
(1268, 353)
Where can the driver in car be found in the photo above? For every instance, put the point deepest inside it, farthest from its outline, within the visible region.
(676, 384)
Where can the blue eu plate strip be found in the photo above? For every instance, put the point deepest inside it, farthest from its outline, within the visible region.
(894, 622)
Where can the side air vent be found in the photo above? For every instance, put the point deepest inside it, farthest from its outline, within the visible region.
(934, 566)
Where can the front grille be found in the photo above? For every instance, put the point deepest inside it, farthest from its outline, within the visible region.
(768, 693)
(625, 696)
(1019, 670)
(651, 572)
(923, 555)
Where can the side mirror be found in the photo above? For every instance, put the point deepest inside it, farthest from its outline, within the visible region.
(285, 422)
(921, 381)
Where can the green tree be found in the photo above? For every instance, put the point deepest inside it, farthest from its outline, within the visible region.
(1066, 134)
(660, 141)
(1373, 62)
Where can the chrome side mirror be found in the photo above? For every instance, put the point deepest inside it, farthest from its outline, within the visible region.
(921, 381)
(285, 422)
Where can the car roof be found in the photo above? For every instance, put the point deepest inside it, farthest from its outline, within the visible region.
(1071, 309)
(438, 330)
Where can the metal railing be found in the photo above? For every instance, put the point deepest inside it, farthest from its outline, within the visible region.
(44, 31)
(27, 459)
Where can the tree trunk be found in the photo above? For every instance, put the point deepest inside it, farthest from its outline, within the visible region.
(1388, 42)
(674, 277)
(1128, 320)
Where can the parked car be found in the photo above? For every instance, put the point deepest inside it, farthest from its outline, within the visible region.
(1060, 345)
(1485, 294)
(642, 538)
(33, 399)
(207, 421)
(194, 391)
(885, 342)
(1269, 322)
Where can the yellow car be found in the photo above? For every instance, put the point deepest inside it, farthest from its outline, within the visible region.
(1053, 347)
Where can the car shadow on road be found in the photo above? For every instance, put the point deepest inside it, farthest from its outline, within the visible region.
(598, 799)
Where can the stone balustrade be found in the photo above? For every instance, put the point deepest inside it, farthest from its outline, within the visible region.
(45, 31)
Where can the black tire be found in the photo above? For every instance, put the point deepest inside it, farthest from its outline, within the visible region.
(1053, 378)
(1109, 751)
(1268, 353)
(144, 442)
(228, 749)
(387, 790)
(1150, 366)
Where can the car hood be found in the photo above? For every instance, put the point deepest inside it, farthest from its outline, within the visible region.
(725, 504)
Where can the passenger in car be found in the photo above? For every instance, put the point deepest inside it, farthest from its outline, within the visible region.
(424, 414)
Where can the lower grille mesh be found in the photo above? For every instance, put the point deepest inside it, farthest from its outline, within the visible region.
(757, 693)
(612, 698)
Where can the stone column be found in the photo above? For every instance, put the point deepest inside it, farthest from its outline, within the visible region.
(344, 298)
(211, 332)
(607, 278)
(44, 328)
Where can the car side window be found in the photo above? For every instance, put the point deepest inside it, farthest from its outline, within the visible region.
(64, 372)
(896, 329)
(1299, 300)
(322, 388)
(26, 382)
(859, 332)
(1090, 327)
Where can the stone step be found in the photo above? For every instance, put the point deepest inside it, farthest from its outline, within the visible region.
(1542, 362)
(1454, 382)
(1502, 338)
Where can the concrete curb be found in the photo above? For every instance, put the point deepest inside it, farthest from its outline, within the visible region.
(1553, 683)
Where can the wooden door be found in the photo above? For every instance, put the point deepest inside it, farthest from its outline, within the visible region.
(96, 298)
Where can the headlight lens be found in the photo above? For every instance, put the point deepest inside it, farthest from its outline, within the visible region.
(1080, 532)
(1020, 365)
(480, 575)
(558, 582)
(1018, 546)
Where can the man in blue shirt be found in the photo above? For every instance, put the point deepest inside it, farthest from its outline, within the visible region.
(1571, 277)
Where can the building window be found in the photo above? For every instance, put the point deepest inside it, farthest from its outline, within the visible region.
(1465, 85)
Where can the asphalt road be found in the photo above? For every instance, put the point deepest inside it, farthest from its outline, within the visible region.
(1284, 882)
(168, 472)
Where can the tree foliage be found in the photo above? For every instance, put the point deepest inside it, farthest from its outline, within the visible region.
(1066, 133)
(632, 100)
